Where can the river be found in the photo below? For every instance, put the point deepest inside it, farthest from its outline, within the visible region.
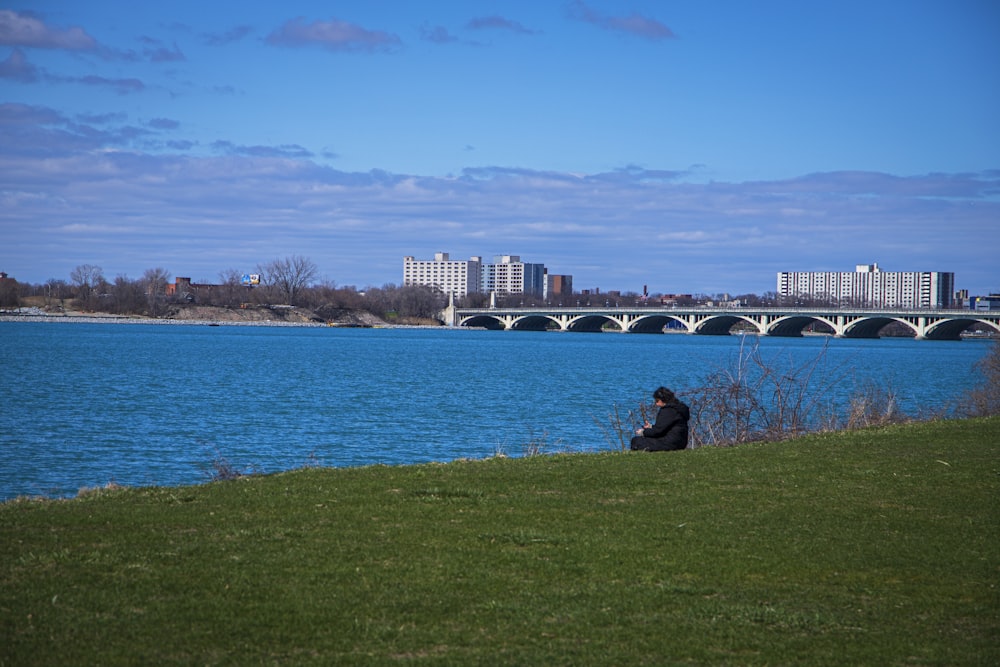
(88, 404)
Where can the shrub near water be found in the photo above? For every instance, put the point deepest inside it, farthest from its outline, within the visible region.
(874, 547)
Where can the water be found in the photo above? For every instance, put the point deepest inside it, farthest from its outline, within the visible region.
(89, 404)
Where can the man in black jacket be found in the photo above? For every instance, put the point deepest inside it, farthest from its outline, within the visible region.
(671, 428)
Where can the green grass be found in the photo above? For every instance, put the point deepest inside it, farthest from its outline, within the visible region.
(876, 547)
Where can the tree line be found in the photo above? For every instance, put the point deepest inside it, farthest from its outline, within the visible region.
(294, 281)
(289, 281)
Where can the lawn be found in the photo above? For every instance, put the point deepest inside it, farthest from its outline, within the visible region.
(875, 547)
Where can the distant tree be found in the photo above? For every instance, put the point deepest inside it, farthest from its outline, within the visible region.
(88, 279)
(749, 300)
(378, 300)
(629, 299)
(231, 290)
(769, 299)
(127, 296)
(686, 301)
(9, 293)
(329, 295)
(56, 290)
(154, 282)
(473, 300)
(410, 301)
(289, 276)
(519, 300)
(420, 301)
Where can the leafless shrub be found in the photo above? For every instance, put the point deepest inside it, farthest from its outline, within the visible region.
(94, 491)
(755, 399)
(223, 469)
(533, 446)
(984, 400)
(873, 405)
(618, 429)
(537, 446)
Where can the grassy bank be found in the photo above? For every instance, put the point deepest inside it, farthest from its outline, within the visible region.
(875, 547)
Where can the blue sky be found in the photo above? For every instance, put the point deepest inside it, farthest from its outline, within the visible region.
(692, 146)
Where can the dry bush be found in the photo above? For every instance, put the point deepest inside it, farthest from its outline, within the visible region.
(872, 406)
(755, 399)
(984, 400)
(619, 428)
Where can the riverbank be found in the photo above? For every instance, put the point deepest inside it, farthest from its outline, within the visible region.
(208, 316)
(866, 547)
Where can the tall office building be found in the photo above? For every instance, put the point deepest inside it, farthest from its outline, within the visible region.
(870, 286)
(558, 285)
(457, 277)
(508, 274)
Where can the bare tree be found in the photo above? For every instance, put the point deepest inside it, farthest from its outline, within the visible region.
(409, 301)
(56, 289)
(127, 295)
(87, 278)
(155, 283)
(231, 291)
(289, 276)
(420, 301)
(474, 300)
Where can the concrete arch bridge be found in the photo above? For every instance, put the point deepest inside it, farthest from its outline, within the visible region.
(846, 323)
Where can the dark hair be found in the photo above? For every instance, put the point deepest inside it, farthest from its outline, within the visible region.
(665, 395)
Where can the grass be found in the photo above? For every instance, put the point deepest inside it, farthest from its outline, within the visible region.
(875, 547)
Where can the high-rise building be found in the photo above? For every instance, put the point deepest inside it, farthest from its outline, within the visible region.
(508, 274)
(457, 277)
(870, 286)
(558, 285)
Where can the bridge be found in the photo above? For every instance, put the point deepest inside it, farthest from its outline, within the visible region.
(843, 322)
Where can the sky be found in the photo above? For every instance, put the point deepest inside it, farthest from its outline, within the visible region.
(689, 146)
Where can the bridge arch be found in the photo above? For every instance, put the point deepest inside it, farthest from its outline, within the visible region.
(719, 325)
(655, 324)
(533, 323)
(868, 327)
(490, 322)
(951, 329)
(591, 323)
(794, 325)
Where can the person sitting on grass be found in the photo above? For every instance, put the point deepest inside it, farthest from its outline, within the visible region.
(671, 428)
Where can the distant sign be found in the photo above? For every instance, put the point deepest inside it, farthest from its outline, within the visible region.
(250, 279)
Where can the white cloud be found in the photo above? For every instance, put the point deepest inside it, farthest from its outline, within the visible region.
(18, 29)
(67, 201)
(333, 35)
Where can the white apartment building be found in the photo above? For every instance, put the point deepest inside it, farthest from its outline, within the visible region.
(870, 286)
(508, 274)
(457, 277)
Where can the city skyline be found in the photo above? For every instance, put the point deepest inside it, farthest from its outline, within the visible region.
(691, 147)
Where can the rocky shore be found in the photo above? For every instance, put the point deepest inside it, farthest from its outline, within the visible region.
(270, 316)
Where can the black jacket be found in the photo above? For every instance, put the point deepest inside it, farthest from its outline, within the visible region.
(671, 428)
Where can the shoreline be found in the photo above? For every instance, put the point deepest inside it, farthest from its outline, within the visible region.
(107, 318)
(123, 319)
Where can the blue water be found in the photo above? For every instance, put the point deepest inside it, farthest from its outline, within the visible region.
(89, 404)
